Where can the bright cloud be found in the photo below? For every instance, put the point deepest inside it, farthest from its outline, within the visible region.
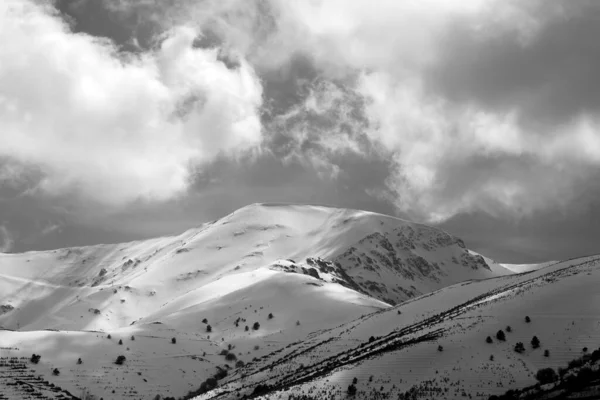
(6, 240)
(451, 159)
(117, 129)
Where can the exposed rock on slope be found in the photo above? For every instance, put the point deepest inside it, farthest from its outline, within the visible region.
(408, 261)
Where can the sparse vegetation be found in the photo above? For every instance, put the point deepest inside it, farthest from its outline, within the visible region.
(173, 340)
(351, 390)
(79, 362)
(208, 328)
(256, 326)
(120, 341)
(440, 348)
(120, 360)
(489, 339)
(500, 335)
(519, 347)
(546, 375)
(576, 363)
(270, 316)
(35, 358)
(535, 342)
(527, 319)
(546, 353)
(562, 372)
(55, 372)
(577, 376)
(206, 386)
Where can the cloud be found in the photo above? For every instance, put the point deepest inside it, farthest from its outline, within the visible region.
(467, 99)
(51, 228)
(452, 156)
(466, 102)
(6, 240)
(549, 78)
(115, 128)
(326, 122)
(451, 159)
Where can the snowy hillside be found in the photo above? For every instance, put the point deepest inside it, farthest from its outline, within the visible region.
(437, 346)
(228, 298)
(147, 280)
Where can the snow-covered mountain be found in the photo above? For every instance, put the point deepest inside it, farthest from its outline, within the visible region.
(381, 257)
(269, 290)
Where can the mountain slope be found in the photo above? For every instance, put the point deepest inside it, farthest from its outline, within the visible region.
(296, 271)
(410, 260)
(388, 258)
(394, 353)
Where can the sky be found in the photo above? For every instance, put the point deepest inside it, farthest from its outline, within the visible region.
(127, 119)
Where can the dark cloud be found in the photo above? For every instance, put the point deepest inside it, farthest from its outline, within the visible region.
(128, 31)
(543, 236)
(269, 179)
(549, 78)
(288, 86)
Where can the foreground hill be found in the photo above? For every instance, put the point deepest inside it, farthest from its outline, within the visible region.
(436, 346)
(257, 281)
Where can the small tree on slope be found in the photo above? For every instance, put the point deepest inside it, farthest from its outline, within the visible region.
(500, 335)
(351, 390)
(546, 375)
(519, 347)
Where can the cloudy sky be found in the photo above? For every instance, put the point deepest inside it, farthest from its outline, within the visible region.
(125, 119)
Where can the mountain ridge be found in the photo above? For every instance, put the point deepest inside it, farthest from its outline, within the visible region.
(259, 280)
